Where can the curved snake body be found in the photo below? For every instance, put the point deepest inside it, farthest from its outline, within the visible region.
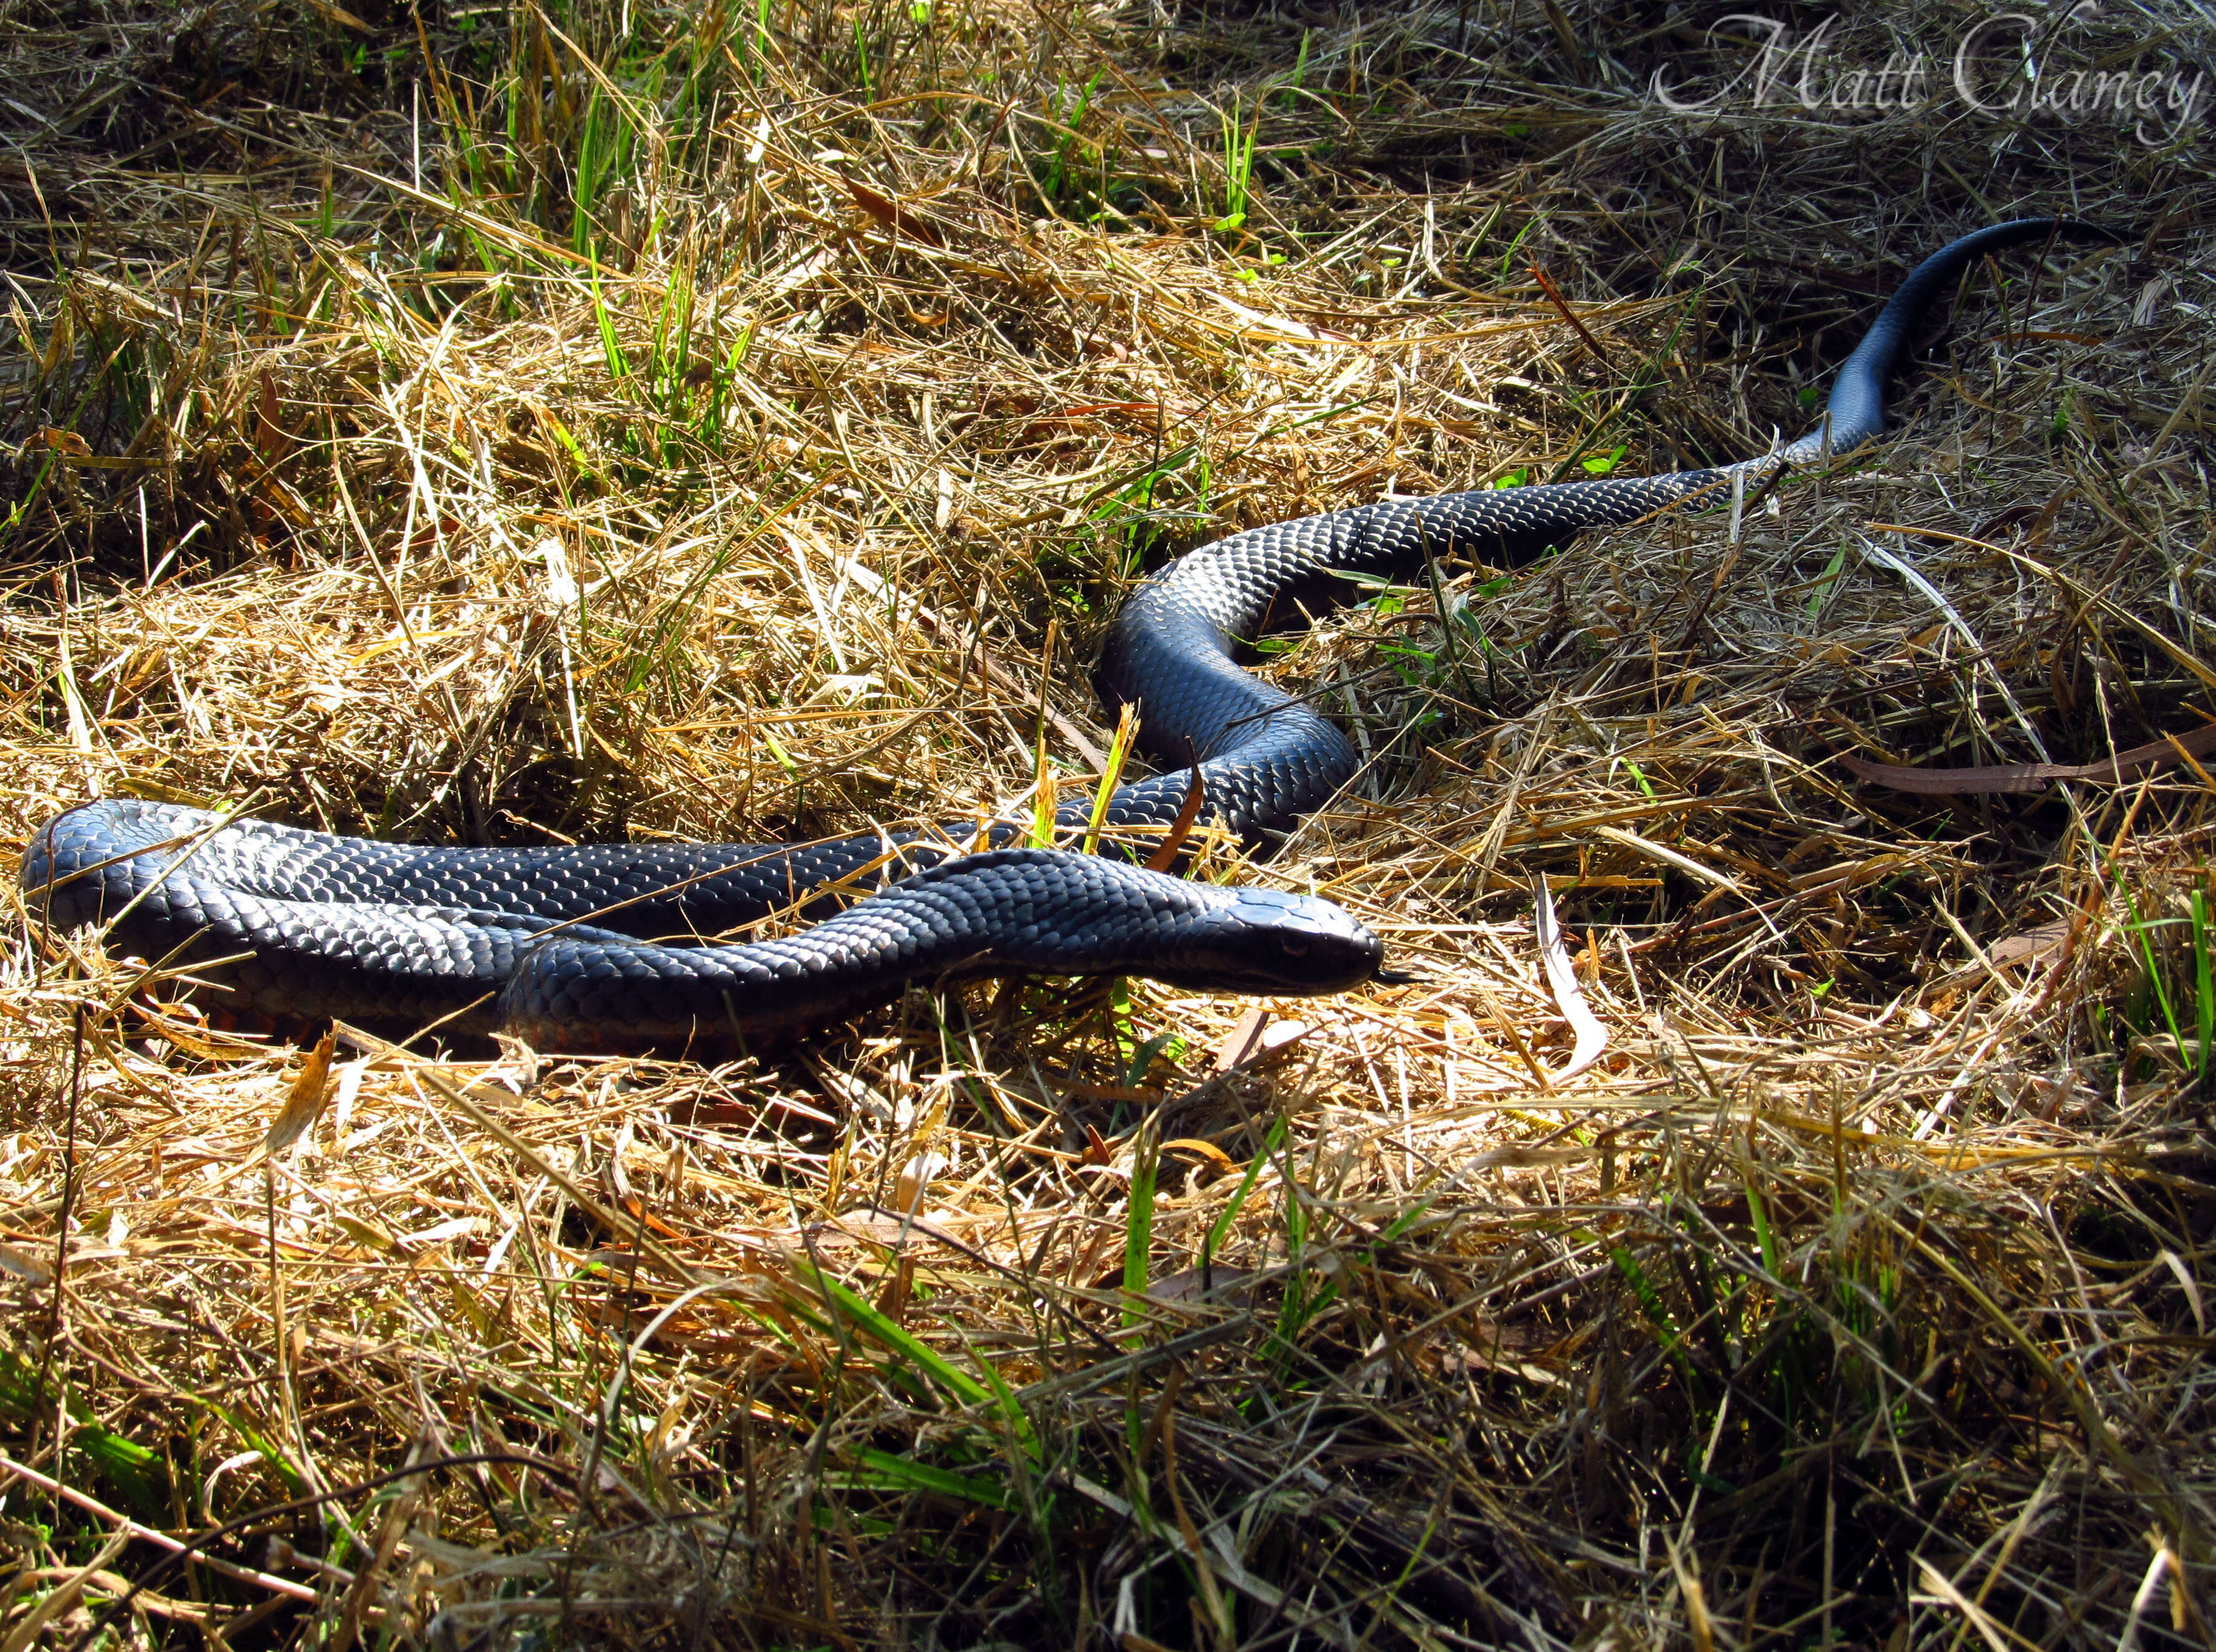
(551, 943)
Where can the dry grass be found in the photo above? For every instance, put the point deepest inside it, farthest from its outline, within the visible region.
(639, 422)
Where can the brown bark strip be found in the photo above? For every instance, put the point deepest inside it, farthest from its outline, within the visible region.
(2034, 777)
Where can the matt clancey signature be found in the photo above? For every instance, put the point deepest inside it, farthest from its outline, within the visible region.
(2007, 65)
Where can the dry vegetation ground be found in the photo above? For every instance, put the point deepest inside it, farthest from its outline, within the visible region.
(506, 424)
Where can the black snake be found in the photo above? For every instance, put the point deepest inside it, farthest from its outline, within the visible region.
(553, 945)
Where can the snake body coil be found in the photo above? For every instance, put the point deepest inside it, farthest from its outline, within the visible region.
(551, 943)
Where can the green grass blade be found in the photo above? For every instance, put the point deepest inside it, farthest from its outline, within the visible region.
(2142, 934)
(1658, 1312)
(134, 1472)
(1758, 1212)
(892, 1473)
(898, 1339)
(1119, 751)
(1139, 1230)
(611, 346)
(1826, 580)
(1008, 1407)
(1222, 1224)
(2204, 988)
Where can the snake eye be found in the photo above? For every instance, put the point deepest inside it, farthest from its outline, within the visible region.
(1293, 947)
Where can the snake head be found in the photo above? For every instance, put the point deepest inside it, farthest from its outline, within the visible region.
(1277, 944)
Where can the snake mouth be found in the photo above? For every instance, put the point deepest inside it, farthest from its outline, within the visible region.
(1259, 984)
(1279, 966)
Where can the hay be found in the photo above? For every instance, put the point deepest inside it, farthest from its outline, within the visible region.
(742, 424)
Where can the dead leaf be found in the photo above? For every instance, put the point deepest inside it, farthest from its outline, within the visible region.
(888, 215)
(1995, 779)
(2030, 945)
(305, 1100)
(1208, 1152)
(1569, 998)
(341, 17)
(1196, 792)
(1239, 1042)
(24, 1265)
(1232, 1286)
(439, 1233)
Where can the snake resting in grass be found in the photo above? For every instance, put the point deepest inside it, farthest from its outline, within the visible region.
(609, 946)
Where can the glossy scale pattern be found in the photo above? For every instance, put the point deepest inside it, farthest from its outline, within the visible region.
(553, 944)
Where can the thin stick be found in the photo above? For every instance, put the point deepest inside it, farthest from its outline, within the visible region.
(1554, 296)
(159, 1539)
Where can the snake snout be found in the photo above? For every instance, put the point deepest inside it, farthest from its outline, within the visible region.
(1270, 942)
